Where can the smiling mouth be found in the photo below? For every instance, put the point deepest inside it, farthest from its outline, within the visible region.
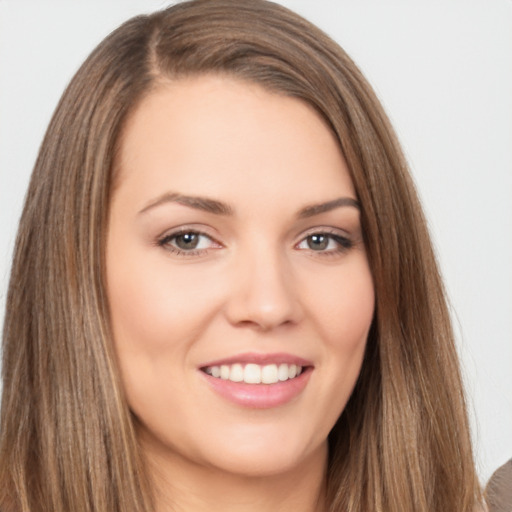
(255, 373)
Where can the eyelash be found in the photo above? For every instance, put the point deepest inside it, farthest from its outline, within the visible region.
(343, 244)
(166, 242)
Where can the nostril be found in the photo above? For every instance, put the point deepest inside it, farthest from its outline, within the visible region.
(264, 325)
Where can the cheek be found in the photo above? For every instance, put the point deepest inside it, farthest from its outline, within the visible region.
(141, 313)
(151, 304)
(344, 305)
(157, 314)
(343, 313)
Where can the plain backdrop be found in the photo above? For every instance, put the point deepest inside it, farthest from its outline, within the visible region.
(443, 70)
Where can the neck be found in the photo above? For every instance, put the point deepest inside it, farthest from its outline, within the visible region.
(181, 485)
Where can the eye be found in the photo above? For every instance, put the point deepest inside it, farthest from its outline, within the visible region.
(187, 242)
(325, 242)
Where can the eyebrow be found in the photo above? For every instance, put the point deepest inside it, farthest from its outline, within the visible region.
(219, 208)
(316, 209)
(199, 203)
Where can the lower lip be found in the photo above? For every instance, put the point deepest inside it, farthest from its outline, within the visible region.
(259, 396)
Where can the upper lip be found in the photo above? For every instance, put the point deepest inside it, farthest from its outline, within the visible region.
(260, 359)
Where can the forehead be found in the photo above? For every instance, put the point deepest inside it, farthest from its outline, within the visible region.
(200, 134)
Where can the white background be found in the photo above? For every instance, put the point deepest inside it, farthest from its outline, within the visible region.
(442, 68)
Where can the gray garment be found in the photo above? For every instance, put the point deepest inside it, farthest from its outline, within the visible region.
(499, 489)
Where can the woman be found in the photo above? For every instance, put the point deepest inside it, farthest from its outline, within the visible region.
(223, 291)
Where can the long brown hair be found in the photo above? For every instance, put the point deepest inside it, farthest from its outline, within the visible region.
(67, 438)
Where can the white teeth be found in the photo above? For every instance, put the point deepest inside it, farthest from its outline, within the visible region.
(252, 374)
(236, 373)
(282, 372)
(255, 373)
(269, 374)
(224, 372)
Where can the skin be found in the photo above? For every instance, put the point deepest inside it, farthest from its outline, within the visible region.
(255, 283)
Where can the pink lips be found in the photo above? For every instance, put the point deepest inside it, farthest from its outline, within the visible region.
(256, 358)
(259, 396)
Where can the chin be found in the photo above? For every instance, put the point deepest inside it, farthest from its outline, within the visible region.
(260, 456)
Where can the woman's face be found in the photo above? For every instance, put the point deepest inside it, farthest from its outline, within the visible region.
(235, 255)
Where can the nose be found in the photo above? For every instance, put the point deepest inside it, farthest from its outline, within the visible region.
(263, 292)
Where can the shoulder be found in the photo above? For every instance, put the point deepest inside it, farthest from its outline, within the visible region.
(499, 489)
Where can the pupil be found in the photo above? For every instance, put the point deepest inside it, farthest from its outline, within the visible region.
(318, 242)
(187, 241)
